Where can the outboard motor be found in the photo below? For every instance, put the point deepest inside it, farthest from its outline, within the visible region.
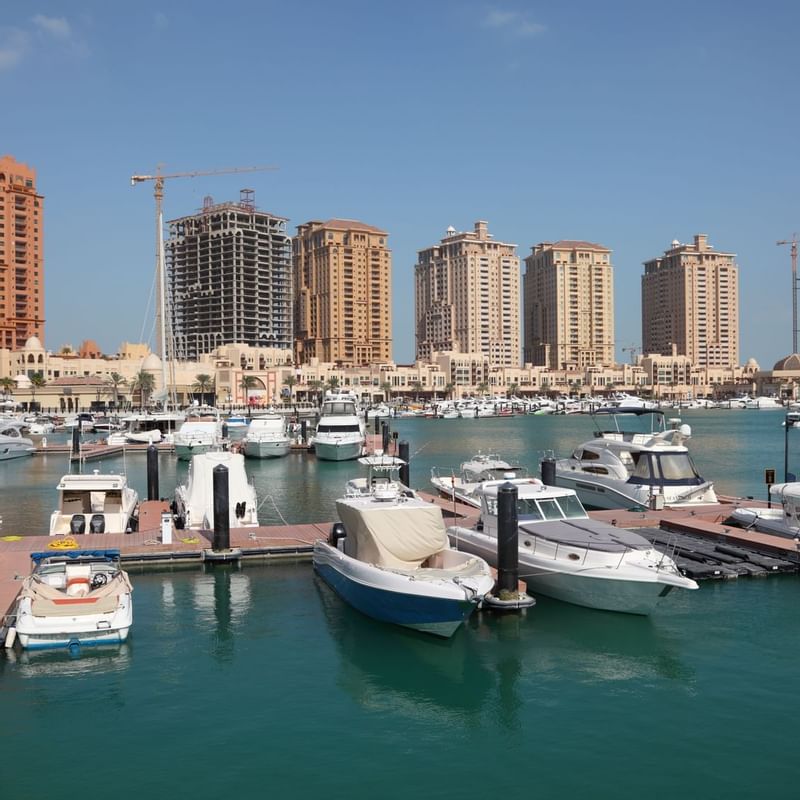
(97, 524)
(338, 534)
(77, 524)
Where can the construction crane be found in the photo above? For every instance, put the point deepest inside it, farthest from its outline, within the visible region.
(793, 252)
(158, 192)
(633, 349)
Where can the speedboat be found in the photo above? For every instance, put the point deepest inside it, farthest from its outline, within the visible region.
(148, 428)
(389, 558)
(340, 434)
(783, 519)
(94, 504)
(627, 468)
(194, 501)
(199, 434)
(471, 475)
(74, 598)
(266, 437)
(566, 555)
(236, 421)
(12, 443)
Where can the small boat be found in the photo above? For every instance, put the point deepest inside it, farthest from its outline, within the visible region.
(783, 519)
(74, 598)
(389, 558)
(471, 475)
(194, 501)
(236, 421)
(94, 503)
(148, 428)
(626, 468)
(12, 443)
(566, 555)
(266, 437)
(340, 434)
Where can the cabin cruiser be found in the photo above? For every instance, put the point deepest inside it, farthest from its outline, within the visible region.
(148, 428)
(202, 431)
(763, 403)
(266, 437)
(566, 555)
(783, 519)
(193, 505)
(389, 558)
(12, 443)
(74, 598)
(94, 504)
(340, 434)
(626, 468)
(480, 468)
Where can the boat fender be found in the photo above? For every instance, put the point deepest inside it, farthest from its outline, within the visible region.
(338, 533)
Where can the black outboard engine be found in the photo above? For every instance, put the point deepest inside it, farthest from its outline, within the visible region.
(97, 524)
(77, 524)
(338, 534)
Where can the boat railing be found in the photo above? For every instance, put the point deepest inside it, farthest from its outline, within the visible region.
(586, 550)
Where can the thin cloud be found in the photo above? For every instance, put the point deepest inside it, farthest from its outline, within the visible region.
(57, 27)
(514, 22)
(14, 44)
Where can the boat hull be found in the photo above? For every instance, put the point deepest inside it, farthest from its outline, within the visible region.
(184, 452)
(338, 451)
(9, 452)
(34, 641)
(276, 449)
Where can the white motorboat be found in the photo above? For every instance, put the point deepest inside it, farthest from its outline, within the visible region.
(340, 434)
(194, 501)
(566, 555)
(389, 558)
(471, 475)
(627, 468)
(266, 437)
(763, 403)
(148, 428)
(200, 433)
(236, 421)
(94, 504)
(783, 519)
(12, 443)
(74, 598)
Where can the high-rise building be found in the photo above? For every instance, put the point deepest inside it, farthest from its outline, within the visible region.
(690, 304)
(568, 305)
(467, 297)
(21, 255)
(229, 278)
(342, 273)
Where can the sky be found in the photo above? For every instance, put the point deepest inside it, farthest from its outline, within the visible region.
(629, 124)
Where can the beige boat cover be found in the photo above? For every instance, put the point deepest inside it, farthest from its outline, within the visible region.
(47, 601)
(399, 536)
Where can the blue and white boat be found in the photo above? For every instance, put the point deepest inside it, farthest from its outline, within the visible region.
(74, 598)
(390, 559)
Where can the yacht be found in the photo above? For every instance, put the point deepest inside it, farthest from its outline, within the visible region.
(94, 503)
(12, 443)
(621, 468)
(340, 434)
(266, 437)
(568, 556)
(471, 475)
(148, 428)
(202, 431)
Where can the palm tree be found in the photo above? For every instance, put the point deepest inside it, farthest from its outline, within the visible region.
(290, 381)
(315, 386)
(7, 385)
(386, 388)
(115, 380)
(203, 384)
(144, 383)
(512, 389)
(417, 387)
(448, 390)
(483, 387)
(37, 381)
(247, 383)
(333, 383)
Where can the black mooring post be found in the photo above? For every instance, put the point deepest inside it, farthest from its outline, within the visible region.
(549, 471)
(152, 472)
(385, 440)
(222, 523)
(377, 424)
(304, 430)
(76, 439)
(507, 539)
(405, 470)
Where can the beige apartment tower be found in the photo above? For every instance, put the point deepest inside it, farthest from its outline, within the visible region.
(568, 305)
(690, 304)
(467, 297)
(21, 255)
(342, 305)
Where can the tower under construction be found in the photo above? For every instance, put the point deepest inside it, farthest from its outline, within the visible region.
(229, 278)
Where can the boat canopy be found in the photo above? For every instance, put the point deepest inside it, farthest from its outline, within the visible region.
(399, 536)
(75, 555)
(611, 410)
(587, 534)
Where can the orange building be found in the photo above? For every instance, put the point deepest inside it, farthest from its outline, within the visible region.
(21, 255)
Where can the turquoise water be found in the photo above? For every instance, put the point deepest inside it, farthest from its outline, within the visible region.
(260, 682)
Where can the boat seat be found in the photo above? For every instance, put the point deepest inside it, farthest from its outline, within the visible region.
(97, 524)
(77, 523)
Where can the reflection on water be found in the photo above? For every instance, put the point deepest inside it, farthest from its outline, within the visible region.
(84, 662)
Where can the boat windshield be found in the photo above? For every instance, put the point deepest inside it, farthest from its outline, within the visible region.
(531, 510)
(323, 428)
(664, 468)
(340, 409)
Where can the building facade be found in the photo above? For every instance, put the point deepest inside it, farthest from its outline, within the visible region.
(21, 255)
(342, 311)
(229, 279)
(568, 305)
(467, 297)
(690, 299)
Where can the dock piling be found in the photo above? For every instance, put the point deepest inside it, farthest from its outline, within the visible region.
(222, 523)
(152, 472)
(76, 441)
(548, 471)
(405, 470)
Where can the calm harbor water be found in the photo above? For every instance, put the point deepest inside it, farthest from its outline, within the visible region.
(259, 681)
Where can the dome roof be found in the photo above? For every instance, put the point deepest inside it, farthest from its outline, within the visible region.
(789, 364)
(152, 363)
(33, 343)
(22, 381)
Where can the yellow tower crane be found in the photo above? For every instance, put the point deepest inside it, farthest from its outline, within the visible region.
(158, 192)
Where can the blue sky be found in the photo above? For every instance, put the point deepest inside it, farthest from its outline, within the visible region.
(625, 123)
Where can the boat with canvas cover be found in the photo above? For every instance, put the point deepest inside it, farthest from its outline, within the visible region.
(94, 503)
(389, 558)
(566, 555)
(782, 519)
(74, 598)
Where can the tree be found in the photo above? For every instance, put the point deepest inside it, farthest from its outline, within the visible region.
(144, 383)
(315, 386)
(115, 380)
(7, 385)
(417, 388)
(246, 384)
(512, 389)
(37, 381)
(448, 390)
(290, 381)
(203, 384)
(386, 388)
(483, 387)
(333, 383)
